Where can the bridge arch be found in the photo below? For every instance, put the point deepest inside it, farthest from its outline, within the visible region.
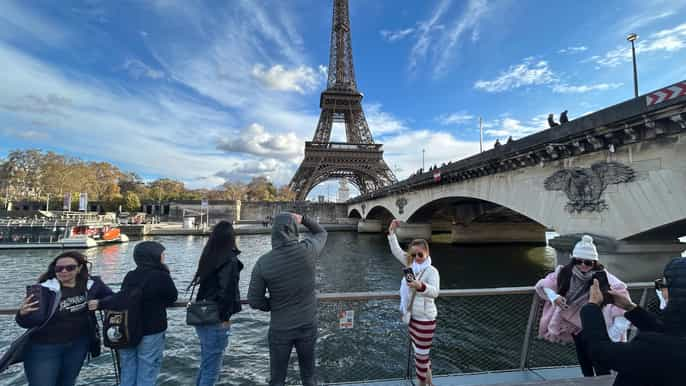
(354, 213)
(380, 212)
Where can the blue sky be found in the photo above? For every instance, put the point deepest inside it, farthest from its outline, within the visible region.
(205, 91)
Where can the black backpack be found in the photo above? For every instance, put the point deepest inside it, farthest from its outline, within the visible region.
(123, 323)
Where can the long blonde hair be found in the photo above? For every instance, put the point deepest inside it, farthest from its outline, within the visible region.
(416, 243)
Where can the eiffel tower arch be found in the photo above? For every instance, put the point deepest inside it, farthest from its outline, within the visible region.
(359, 159)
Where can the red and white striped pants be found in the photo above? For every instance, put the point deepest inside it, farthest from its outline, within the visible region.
(422, 334)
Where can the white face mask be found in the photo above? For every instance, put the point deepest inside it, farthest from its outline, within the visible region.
(663, 302)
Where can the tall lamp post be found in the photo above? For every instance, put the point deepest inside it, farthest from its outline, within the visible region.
(632, 38)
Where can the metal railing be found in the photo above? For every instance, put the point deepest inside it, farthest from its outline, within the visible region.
(478, 330)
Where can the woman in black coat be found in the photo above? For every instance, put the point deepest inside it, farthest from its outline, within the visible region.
(218, 275)
(62, 329)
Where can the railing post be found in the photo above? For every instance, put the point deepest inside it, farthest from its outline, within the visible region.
(523, 363)
(644, 298)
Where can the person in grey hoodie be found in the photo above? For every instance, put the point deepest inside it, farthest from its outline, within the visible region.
(287, 272)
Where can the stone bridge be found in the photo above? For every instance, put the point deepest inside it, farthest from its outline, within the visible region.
(618, 174)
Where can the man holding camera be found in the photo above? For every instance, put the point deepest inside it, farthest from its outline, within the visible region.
(657, 356)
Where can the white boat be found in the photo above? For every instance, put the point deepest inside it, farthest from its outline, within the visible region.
(19, 234)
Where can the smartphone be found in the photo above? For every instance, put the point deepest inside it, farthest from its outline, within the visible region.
(34, 290)
(604, 284)
(409, 275)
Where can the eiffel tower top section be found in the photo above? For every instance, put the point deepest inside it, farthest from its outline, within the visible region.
(341, 69)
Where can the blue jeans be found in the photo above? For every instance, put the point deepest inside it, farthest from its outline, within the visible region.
(55, 364)
(213, 341)
(140, 366)
(281, 343)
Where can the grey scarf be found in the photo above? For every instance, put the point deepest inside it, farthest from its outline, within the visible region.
(579, 287)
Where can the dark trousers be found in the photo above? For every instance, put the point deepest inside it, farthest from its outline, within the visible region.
(589, 367)
(281, 343)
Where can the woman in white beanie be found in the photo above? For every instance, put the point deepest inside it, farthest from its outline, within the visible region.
(565, 291)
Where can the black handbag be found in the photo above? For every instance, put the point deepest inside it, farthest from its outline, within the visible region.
(201, 312)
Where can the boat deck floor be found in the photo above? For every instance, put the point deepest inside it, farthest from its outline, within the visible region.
(567, 376)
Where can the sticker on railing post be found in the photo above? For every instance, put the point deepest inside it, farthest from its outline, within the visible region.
(346, 319)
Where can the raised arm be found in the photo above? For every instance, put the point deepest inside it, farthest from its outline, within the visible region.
(396, 250)
(317, 239)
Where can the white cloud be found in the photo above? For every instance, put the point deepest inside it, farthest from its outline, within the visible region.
(393, 36)
(458, 118)
(138, 69)
(405, 151)
(382, 123)
(425, 31)
(668, 40)
(527, 73)
(301, 79)
(573, 50)
(511, 127)
(26, 134)
(255, 140)
(444, 37)
(469, 21)
(579, 89)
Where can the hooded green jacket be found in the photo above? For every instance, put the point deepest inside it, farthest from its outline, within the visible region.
(288, 273)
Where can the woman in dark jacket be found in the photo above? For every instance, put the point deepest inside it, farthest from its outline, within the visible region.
(218, 276)
(140, 365)
(63, 330)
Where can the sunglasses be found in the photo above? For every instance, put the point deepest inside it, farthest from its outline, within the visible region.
(588, 263)
(417, 254)
(68, 268)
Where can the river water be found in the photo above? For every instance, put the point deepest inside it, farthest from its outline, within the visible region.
(376, 347)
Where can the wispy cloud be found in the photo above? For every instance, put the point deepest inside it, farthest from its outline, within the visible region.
(393, 36)
(26, 134)
(527, 73)
(425, 33)
(300, 79)
(564, 88)
(443, 35)
(137, 69)
(668, 40)
(572, 50)
(17, 23)
(457, 118)
(468, 22)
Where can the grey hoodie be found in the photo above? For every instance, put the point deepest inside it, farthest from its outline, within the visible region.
(287, 271)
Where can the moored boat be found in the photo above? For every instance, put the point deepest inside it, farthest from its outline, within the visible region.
(32, 234)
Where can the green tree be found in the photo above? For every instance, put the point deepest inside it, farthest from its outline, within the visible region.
(131, 202)
(260, 189)
(234, 190)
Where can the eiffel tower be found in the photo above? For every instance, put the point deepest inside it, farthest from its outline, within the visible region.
(359, 159)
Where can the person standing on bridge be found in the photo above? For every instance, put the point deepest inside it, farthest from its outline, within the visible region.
(418, 292)
(62, 328)
(566, 291)
(218, 276)
(288, 273)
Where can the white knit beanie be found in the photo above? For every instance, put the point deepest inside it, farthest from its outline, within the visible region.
(585, 249)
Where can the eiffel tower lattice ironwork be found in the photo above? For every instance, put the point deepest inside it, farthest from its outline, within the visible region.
(359, 159)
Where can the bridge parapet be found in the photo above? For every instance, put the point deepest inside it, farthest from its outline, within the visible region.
(611, 128)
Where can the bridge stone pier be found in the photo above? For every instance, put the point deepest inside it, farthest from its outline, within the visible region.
(618, 174)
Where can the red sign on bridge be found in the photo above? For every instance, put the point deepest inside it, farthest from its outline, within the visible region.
(667, 93)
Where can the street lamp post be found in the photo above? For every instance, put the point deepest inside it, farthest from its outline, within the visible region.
(423, 159)
(632, 37)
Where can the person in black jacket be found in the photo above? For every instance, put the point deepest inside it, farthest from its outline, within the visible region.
(62, 330)
(218, 275)
(140, 366)
(656, 356)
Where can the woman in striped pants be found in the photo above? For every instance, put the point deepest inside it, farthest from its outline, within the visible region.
(418, 292)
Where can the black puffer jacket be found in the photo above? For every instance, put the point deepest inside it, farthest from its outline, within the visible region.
(657, 355)
(222, 286)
